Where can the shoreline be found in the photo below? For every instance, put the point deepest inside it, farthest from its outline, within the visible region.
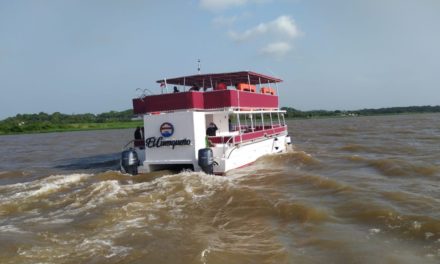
(80, 127)
(133, 124)
(355, 116)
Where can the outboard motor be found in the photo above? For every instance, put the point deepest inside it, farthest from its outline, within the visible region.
(206, 160)
(130, 161)
(288, 143)
(276, 143)
(288, 140)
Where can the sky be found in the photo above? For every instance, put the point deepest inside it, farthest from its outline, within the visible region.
(90, 56)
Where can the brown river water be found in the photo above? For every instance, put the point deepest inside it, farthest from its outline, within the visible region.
(354, 190)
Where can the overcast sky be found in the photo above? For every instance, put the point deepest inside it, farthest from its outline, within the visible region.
(90, 56)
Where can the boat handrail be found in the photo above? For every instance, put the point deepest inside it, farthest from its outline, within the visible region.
(129, 142)
(227, 144)
(250, 135)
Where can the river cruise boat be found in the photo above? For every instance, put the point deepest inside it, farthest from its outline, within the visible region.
(207, 122)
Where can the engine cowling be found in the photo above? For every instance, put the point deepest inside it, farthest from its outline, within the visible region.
(206, 160)
(130, 161)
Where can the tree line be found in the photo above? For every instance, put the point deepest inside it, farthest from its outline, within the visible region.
(42, 122)
(58, 121)
(294, 113)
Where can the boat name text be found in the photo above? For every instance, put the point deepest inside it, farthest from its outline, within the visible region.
(152, 142)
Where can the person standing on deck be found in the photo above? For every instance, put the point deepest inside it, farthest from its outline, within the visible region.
(211, 130)
(138, 134)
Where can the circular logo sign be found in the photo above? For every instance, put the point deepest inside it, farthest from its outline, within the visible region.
(166, 129)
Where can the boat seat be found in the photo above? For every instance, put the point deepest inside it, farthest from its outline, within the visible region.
(267, 90)
(246, 87)
(220, 86)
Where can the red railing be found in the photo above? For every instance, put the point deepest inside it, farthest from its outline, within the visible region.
(204, 100)
(248, 136)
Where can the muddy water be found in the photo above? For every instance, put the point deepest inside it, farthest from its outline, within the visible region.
(355, 190)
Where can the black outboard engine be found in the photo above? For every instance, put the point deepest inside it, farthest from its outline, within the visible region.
(130, 161)
(206, 160)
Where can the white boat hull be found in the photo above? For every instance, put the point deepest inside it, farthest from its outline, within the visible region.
(236, 156)
(186, 136)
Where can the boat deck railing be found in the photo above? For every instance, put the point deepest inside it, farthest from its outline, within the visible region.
(204, 101)
(248, 134)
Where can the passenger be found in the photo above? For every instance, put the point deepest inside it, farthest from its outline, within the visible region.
(211, 130)
(138, 134)
(221, 86)
(176, 90)
(194, 88)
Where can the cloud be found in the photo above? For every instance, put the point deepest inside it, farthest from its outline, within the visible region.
(276, 36)
(283, 26)
(219, 5)
(221, 21)
(276, 49)
(229, 21)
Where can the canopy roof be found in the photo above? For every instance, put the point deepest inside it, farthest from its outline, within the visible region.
(230, 78)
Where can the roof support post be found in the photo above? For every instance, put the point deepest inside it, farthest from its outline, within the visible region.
(239, 127)
(238, 97)
(271, 121)
(279, 121)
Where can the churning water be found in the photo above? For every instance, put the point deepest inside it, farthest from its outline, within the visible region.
(354, 190)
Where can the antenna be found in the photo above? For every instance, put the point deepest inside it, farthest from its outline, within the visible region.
(198, 66)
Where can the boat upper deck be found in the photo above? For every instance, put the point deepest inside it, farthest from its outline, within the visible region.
(239, 90)
(204, 101)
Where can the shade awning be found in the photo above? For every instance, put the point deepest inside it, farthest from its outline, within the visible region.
(230, 79)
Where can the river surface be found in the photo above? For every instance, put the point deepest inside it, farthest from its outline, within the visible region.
(354, 190)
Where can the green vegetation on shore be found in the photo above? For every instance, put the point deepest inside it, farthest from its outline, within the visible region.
(57, 122)
(294, 113)
(42, 122)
